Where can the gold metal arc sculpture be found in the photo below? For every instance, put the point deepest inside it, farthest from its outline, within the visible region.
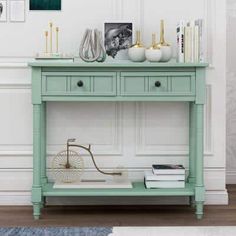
(88, 149)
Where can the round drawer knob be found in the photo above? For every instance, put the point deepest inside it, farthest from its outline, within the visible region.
(80, 83)
(157, 84)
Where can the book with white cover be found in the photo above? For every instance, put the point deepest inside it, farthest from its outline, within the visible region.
(200, 24)
(164, 184)
(192, 39)
(150, 176)
(187, 44)
(168, 169)
(99, 184)
(180, 42)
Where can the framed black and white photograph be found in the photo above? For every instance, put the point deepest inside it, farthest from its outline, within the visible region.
(39, 5)
(3, 11)
(117, 39)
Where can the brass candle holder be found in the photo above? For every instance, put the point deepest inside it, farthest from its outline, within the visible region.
(51, 45)
(50, 25)
(57, 40)
(46, 42)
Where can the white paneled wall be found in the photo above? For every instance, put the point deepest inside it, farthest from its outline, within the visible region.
(134, 135)
(231, 92)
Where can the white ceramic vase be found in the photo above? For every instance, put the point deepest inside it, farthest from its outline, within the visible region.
(137, 52)
(165, 47)
(153, 55)
(166, 53)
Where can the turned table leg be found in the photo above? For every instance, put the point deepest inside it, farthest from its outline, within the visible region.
(199, 184)
(37, 186)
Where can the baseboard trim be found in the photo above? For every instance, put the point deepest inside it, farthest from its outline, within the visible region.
(24, 199)
(217, 198)
(230, 177)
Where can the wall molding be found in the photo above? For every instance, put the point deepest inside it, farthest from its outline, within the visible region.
(210, 31)
(231, 177)
(113, 149)
(14, 86)
(117, 6)
(143, 148)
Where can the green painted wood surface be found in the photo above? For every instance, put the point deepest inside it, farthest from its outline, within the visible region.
(137, 190)
(113, 64)
(118, 81)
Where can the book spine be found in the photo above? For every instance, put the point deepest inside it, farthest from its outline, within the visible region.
(180, 42)
(164, 177)
(200, 24)
(168, 172)
(187, 44)
(164, 184)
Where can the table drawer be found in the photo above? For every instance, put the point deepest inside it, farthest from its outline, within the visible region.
(157, 83)
(82, 83)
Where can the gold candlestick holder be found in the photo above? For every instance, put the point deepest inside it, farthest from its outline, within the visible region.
(57, 40)
(51, 47)
(46, 42)
(50, 25)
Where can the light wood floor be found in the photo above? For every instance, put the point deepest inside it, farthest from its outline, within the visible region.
(122, 215)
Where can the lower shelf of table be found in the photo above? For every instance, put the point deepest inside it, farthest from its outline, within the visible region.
(137, 190)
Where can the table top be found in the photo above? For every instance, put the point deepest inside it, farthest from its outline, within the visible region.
(111, 63)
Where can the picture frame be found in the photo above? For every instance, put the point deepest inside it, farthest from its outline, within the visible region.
(17, 10)
(118, 37)
(3, 10)
(45, 5)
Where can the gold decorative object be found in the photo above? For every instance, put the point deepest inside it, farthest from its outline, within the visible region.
(68, 165)
(46, 42)
(57, 40)
(138, 43)
(153, 53)
(137, 51)
(164, 46)
(50, 25)
(51, 50)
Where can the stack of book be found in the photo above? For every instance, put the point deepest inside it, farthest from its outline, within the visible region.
(165, 176)
(190, 41)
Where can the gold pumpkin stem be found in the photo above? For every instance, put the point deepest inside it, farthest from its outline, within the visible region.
(153, 40)
(138, 37)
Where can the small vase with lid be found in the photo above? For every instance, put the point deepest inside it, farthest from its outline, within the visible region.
(137, 51)
(165, 47)
(153, 53)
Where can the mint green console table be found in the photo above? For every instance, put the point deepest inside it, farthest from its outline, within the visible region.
(126, 81)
